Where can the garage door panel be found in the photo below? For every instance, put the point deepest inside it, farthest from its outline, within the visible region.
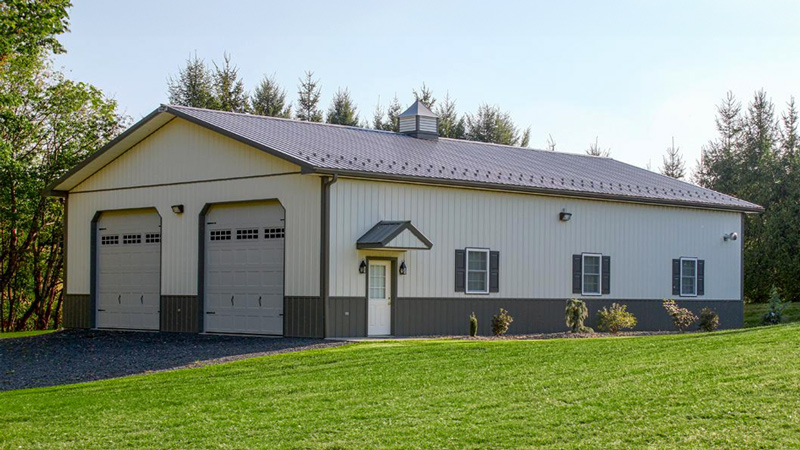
(129, 270)
(248, 266)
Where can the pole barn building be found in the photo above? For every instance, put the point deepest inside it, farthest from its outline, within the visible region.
(207, 221)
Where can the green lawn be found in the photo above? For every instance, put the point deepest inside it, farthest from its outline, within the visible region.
(753, 312)
(18, 334)
(734, 389)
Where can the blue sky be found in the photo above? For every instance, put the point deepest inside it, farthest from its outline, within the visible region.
(632, 73)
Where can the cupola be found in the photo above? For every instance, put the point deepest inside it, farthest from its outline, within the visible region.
(420, 122)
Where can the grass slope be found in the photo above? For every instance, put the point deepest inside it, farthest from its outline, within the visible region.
(19, 334)
(736, 389)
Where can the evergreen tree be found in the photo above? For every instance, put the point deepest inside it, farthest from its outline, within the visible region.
(551, 143)
(342, 110)
(490, 124)
(193, 86)
(717, 167)
(595, 150)
(425, 96)
(525, 138)
(228, 88)
(450, 124)
(308, 94)
(673, 165)
(269, 99)
(392, 114)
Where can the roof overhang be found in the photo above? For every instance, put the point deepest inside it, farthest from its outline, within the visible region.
(394, 235)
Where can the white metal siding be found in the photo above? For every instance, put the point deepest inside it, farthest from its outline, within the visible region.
(535, 247)
(299, 195)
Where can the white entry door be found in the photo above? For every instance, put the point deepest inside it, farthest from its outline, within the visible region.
(379, 298)
(129, 270)
(244, 268)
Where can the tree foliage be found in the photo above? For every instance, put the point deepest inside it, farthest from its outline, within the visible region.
(28, 28)
(47, 125)
(595, 149)
(308, 95)
(269, 99)
(193, 85)
(754, 157)
(673, 165)
(425, 96)
(388, 120)
(490, 124)
(342, 110)
(228, 88)
(450, 124)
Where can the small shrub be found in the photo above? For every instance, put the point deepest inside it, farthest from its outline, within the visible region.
(709, 319)
(615, 318)
(473, 325)
(681, 317)
(576, 313)
(774, 315)
(501, 322)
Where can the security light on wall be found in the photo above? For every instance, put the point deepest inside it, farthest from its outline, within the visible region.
(362, 268)
(177, 209)
(564, 216)
(403, 268)
(730, 236)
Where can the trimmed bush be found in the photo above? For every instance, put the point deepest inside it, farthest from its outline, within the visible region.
(576, 313)
(709, 319)
(473, 325)
(774, 315)
(681, 317)
(501, 322)
(615, 318)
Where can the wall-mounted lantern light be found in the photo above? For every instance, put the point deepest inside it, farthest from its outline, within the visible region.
(564, 216)
(403, 268)
(730, 236)
(362, 268)
(177, 209)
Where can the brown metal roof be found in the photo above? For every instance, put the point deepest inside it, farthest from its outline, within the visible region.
(360, 152)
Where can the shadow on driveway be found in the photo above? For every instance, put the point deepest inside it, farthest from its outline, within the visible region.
(76, 356)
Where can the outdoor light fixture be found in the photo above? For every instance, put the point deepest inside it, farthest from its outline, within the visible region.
(564, 216)
(362, 268)
(403, 268)
(177, 209)
(730, 236)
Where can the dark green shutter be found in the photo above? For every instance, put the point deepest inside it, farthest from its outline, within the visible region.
(461, 270)
(676, 277)
(494, 271)
(701, 277)
(577, 274)
(606, 275)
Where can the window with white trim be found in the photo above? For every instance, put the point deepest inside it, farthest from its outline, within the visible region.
(273, 233)
(477, 271)
(109, 239)
(688, 277)
(152, 238)
(592, 269)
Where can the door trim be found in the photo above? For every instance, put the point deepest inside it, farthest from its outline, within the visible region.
(201, 256)
(393, 290)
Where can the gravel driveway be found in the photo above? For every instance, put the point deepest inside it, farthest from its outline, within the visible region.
(78, 355)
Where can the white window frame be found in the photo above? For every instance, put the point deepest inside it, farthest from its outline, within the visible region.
(599, 292)
(680, 282)
(467, 271)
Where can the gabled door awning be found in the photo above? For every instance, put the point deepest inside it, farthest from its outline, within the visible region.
(394, 235)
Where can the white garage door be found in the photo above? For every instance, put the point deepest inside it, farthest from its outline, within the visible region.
(244, 268)
(129, 270)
